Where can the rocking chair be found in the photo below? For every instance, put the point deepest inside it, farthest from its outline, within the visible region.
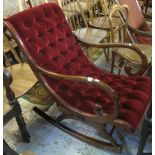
(81, 90)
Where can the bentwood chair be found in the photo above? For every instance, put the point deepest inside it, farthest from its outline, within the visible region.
(12, 109)
(129, 56)
(142, 35)
(82, 91)
(75, 13)
(99, 18)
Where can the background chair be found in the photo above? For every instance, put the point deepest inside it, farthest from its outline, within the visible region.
(100, 17)
(75, 13)
(127, 54)
(25, 84)
(61, 65)
(12, 108)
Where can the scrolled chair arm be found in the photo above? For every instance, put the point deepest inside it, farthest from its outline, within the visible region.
(89, 80)
(128, 69)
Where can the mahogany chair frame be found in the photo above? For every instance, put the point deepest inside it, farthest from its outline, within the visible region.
(69, 112)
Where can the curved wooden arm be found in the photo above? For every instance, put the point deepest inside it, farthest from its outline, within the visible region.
(121, 45)
(89, 80)
(140, 32)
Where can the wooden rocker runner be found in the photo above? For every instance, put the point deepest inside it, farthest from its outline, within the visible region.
(81, 90)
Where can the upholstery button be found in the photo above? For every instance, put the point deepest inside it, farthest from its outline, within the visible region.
(52, 45)
(50, 31)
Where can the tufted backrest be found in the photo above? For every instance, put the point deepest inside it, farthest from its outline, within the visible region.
(48, 39)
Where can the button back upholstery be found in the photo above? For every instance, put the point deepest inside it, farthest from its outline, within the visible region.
(49, 42)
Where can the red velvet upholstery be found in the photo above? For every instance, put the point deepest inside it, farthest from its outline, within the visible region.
(51, 44)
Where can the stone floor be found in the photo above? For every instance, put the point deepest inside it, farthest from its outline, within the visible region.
(49, 140)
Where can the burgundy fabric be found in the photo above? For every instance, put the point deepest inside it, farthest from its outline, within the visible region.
(51, 44)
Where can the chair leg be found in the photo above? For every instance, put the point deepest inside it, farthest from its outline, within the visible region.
(113, 62)
(106, 55)
(100, 144)
(7, 150)
(121, 62)
(144, 134)
(22, 127)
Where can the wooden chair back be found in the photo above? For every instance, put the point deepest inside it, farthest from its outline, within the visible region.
(9, 46)
(120, 29)
(74, 13)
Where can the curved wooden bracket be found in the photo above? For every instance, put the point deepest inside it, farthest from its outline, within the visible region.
(128, 69)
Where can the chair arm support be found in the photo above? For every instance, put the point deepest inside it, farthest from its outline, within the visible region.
(7, 77)
(140, 32)
(121, 45)
(89, 80)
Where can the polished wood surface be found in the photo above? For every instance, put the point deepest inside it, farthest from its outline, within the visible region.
(90, 34)
(131, 56)
(23, 78)
(75, 14)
